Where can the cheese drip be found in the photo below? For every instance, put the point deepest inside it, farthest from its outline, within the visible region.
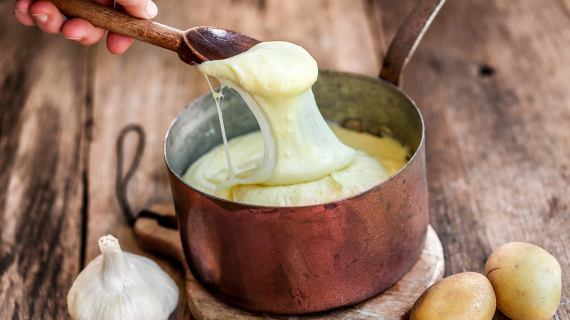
(296, 159)
(275, 80)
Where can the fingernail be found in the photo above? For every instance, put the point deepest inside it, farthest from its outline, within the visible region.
(23, 11)
(74, 39)
(151, 10)
(40, 17)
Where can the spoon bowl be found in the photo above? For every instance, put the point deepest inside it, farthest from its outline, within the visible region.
(208, 43)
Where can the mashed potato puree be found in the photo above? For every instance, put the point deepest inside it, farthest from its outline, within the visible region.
(297, 158)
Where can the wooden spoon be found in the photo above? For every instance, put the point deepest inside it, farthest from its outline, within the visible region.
(193, 46)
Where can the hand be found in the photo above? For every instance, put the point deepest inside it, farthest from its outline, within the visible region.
(47, 17)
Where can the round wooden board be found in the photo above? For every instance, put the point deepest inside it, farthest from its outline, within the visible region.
(392, 304)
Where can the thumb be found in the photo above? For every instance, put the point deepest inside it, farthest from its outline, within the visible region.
(145, 9)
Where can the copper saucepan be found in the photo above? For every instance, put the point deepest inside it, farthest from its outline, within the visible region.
(294, 260)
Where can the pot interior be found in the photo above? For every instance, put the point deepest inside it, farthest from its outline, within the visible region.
(359, 102)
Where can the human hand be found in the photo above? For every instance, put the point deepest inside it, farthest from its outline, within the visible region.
(47, 17)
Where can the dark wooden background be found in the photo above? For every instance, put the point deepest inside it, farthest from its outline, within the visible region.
(491, 77)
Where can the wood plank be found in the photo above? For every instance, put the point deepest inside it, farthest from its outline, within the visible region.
(43, 113)
(490, 82)
(488, 78)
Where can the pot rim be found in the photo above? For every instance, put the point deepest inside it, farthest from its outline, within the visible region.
(271, 209)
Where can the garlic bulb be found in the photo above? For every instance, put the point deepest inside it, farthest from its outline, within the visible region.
(119, 285)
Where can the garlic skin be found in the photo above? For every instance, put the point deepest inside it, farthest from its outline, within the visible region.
(119, 285)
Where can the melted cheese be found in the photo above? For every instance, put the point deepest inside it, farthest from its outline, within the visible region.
(296, 159)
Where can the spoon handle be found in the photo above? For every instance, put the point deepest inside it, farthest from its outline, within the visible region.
(122, 23)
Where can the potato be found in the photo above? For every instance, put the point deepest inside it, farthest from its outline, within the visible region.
(527, 281)
(466, 295)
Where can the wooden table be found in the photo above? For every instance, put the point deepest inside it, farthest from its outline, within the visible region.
(491, 78)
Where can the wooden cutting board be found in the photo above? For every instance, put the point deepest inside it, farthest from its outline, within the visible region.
(153, 235)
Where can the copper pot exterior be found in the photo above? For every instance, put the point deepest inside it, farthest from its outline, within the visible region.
(294, 260)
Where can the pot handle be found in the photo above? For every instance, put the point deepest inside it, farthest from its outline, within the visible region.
(407, 39)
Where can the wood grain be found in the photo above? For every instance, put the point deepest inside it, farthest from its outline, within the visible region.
(490, 77)
(493, 88)
(42, 153)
